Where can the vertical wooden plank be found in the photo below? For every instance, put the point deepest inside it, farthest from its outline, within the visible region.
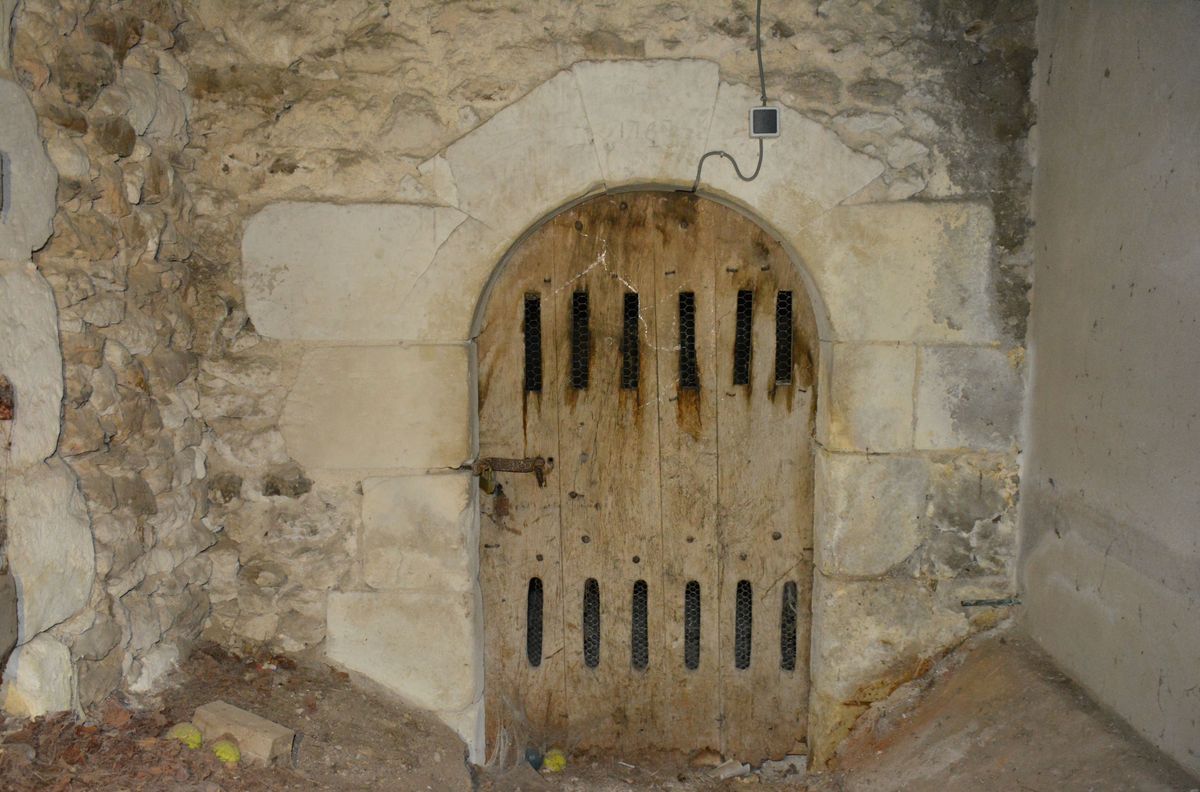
(681, 247)
(519, 529)
(765, 494)
(609, 478)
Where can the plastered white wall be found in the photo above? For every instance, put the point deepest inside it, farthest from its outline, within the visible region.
(1111, 492)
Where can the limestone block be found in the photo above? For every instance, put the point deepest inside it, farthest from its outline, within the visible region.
(29, 178)
(31, 359)
(908, 271)
(649, 119)
(531, 157)
(468, 724)
(50, 548)
(423, 645)
(806, 171)
(968, 397)
(868, 390)
(868, 511)
(322, 272)
(869, 637)
(970, 518)
(39, 679)
(442, 304)
(259, 739)
(399, 408)
(419, 532)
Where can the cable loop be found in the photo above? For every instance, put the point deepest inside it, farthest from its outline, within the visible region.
(762, 86)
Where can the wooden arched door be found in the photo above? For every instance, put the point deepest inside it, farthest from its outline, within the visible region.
(655, 593)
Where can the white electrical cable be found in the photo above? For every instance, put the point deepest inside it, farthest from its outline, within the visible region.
(762, 89)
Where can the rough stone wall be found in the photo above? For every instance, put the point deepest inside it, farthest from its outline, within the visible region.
(349, 102)
(343, 101)
(117, 601)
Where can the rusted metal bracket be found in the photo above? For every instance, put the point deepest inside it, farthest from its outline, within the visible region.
(487, 467)
(991, 603)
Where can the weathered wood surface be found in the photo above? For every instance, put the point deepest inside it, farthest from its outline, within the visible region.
(662, 484)
(520, 526)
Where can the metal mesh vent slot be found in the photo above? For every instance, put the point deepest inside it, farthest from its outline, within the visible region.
(640, 638)
(591, 623)
(691, 625)
(743, 625)
(689, 370)
(533, 343)
(742, 339)
(533, 622)
(630, 354)
(783, 337)
(580, 339)
(787, 628)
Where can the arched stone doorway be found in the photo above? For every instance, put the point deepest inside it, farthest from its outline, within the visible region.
(658, 350)
(904, 298)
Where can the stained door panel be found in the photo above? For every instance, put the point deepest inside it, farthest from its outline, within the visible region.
(764, 490)
(519, 525)
(608, 480)
(681, 249)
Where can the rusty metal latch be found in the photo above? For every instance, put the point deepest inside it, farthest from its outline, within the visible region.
(487, 467)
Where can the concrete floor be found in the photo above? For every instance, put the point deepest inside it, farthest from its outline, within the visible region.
(996, 716)
(1004, 719)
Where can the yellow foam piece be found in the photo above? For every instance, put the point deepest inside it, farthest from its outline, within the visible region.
(555, 761)
(187, 734)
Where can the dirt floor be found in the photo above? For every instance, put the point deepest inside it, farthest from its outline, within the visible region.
(993, 716)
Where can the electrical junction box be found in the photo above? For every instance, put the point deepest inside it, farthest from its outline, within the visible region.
(764, 122)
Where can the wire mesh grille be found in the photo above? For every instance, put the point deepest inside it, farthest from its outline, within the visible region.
(580, 339)
(533, 343)
(640, 638)
(689, 370)
(533, 622)
(743, 624)
(783, 337)
(630, 354)
(691, 625)
(591, 623)
(787, 628)
(742, 338)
